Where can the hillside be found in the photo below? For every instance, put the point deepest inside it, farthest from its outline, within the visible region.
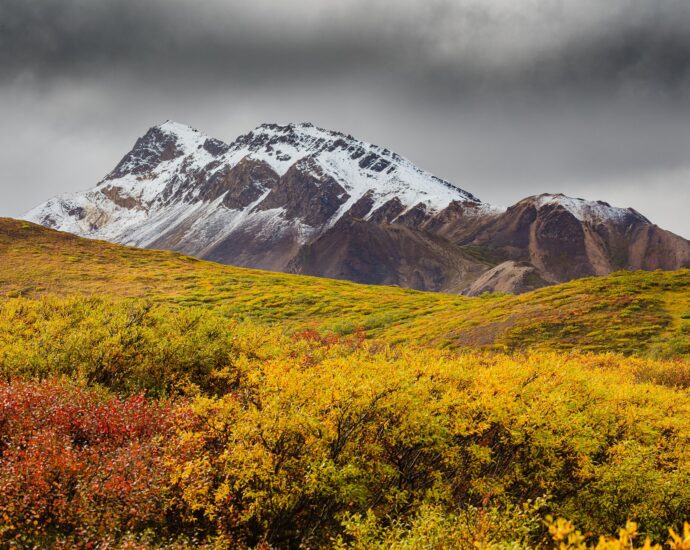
(152, 400)
(633, 313)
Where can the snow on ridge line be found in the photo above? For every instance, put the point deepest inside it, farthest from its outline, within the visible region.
(188, 138)
(281, 146)
(322, 138)
(586, 210)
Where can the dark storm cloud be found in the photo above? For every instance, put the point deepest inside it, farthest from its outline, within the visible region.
(210, 40)
(558, 46)
(507, 98)
(438, 45)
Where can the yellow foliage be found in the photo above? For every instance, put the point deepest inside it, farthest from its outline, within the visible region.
(680, 542)
(312, 435)
(637, 313)
(566, 537)
(318, 413)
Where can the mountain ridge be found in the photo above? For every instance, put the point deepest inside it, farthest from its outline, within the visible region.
(298, 198)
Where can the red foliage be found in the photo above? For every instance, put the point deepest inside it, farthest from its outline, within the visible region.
(75, 462)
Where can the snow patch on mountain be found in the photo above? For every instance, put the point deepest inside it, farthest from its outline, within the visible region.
(157, 185)
(357, 165)
(588, 211)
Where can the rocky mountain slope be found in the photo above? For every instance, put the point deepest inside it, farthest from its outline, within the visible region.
(563, 239)
(301, 199)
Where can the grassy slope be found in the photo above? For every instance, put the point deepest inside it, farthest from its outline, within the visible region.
(626, 312)
(602, 435)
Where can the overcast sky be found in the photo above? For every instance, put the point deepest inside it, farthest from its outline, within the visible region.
(505, 98)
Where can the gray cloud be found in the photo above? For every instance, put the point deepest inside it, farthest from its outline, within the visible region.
(436, 44)
(506, 98)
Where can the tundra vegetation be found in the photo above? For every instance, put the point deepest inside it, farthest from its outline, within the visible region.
(151, 400)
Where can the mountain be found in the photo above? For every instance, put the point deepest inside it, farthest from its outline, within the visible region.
(305, 200)
(559, 238)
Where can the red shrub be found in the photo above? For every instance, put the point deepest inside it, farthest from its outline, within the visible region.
(76, 463)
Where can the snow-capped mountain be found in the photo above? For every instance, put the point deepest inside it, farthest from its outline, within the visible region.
(307, 200)
(177, 177)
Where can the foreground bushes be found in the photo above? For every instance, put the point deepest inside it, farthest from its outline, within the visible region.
(128, 346)
(248, 436)
(309, 440)
(76, 464)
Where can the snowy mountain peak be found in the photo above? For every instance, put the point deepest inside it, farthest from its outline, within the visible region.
(303, 199)
(360, 165)
(590, 211)
(179, 128)
(159, 145)
(296, 178)
(187, 137)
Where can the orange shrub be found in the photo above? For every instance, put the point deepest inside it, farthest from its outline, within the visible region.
(79, 464)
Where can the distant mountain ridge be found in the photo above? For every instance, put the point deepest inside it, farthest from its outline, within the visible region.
(298, 198)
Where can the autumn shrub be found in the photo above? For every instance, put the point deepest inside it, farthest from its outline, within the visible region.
(79, 466)
(496, 528)
(126, 422)
(567, 537)
(324, 443)
(126, 345)
(306, 443)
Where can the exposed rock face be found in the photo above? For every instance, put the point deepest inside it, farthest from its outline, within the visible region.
(511, 277)
(154, 147)
(240, 185)
(654, 248)
(302, 199)
(365, 252)
(566, 238)
(306, 192)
